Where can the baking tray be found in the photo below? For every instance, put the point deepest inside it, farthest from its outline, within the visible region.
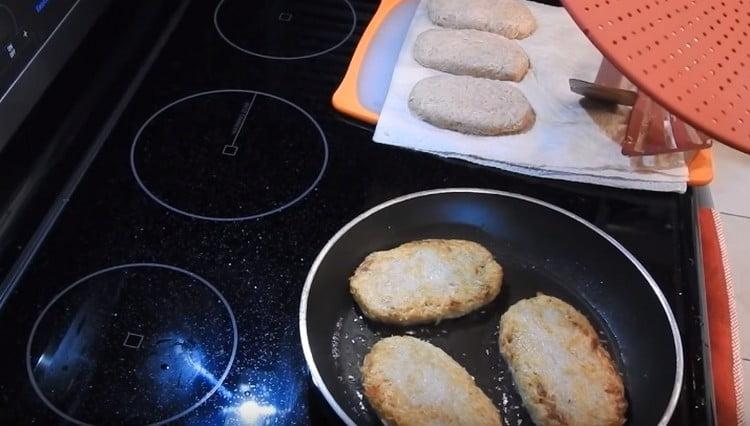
(363, 90)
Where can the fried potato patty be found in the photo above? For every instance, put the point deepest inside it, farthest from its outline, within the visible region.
(411, 382)
(563, 372)
(426, 281)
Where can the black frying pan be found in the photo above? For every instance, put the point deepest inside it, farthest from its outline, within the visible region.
(542, 248)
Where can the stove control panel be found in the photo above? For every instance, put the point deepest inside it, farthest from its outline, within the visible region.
(25, 25)
(36, 39)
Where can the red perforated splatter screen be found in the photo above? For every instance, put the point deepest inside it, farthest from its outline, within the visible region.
(691, 56)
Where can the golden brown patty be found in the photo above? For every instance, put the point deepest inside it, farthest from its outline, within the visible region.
(564, 374)
(411, 382)
(426, 281)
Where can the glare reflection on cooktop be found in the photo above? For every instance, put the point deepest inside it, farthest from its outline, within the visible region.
(132, 344)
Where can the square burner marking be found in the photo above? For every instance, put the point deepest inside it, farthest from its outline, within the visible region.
(133, 340)
(285, 17)
(230, 150)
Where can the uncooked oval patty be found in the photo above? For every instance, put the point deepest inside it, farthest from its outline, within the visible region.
(562, 371)
(426, 281)
(509, 18)
(471, 105)
(411, 382)
(471, 52)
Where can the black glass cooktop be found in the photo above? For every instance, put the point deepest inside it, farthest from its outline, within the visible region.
(168, 288)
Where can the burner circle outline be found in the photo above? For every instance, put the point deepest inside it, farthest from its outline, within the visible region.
(142, 185)
(219, 382)
(284, 58)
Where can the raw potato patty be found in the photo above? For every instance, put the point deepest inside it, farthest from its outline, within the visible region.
(509, 18)
(476, 106)
(426, 281)
(411, 382)
(564, 374)
(471, 52)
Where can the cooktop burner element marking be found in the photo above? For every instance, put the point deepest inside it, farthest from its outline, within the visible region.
(233, 150)
(134, 341)
(285, 17)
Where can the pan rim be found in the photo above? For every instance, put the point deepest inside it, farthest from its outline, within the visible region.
(318, 379)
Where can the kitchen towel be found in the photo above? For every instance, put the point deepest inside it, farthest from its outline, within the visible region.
(567, 142)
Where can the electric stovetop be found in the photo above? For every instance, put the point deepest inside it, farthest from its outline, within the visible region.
(168, 288)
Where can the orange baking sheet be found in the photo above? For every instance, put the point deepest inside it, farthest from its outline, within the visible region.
(347, 98)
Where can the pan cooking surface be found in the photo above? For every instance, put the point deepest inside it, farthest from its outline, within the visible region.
(542, 250)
